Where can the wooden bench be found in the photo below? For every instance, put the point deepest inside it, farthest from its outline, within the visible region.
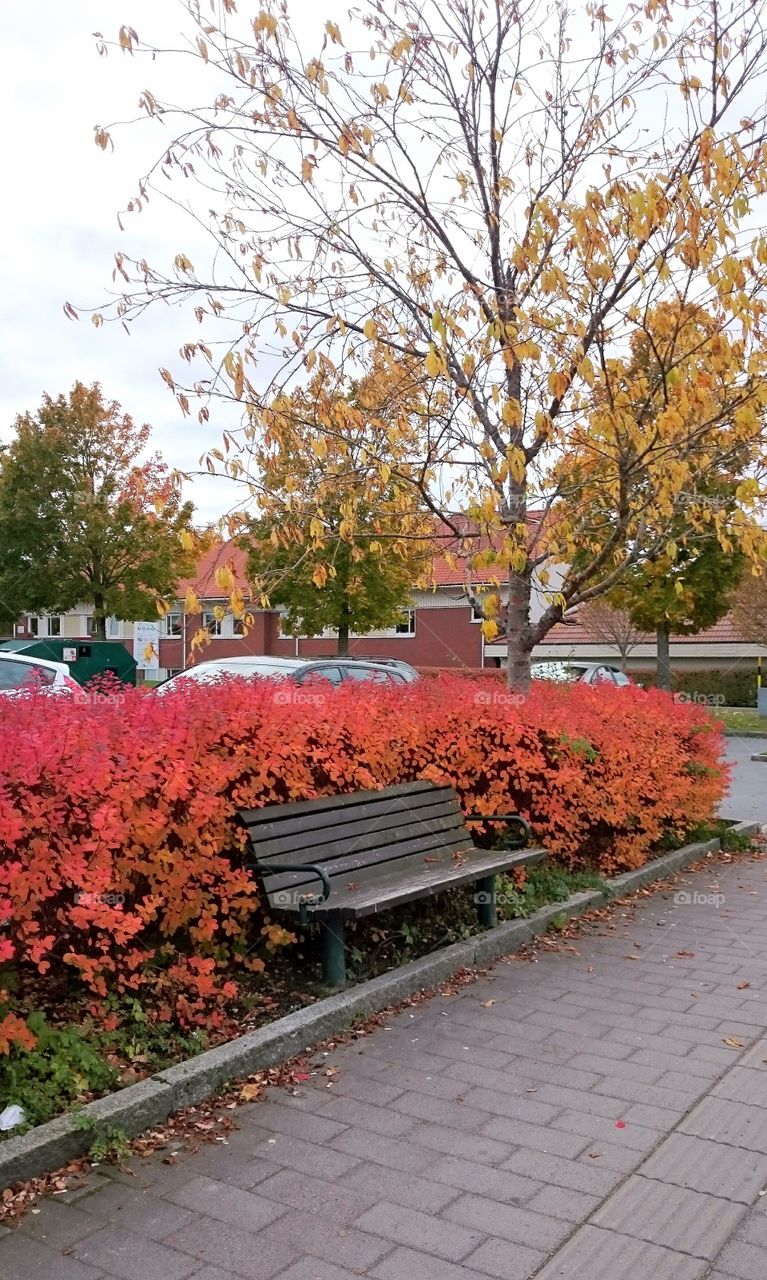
(345, 857)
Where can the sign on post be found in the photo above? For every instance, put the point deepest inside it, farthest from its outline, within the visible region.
(146, 645)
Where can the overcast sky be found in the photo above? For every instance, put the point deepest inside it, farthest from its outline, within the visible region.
(59, 226)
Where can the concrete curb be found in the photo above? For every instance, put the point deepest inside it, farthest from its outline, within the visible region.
(745, 733)
(139, 1106)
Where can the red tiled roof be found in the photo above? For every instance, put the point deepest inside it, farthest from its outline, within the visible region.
(575, 632)
(470, 541)
(203, 581)
(443, 573)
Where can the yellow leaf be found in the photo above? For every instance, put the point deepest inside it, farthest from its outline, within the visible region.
(490, 628)
(320, 575)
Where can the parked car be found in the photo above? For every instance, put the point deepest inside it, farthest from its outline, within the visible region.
(300, 671)
(397, 664)
(21, 674)
(579, 673)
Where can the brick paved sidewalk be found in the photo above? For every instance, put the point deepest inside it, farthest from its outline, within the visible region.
(583, 1116)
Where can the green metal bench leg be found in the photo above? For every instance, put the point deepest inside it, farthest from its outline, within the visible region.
(334, 949)
(486, 907)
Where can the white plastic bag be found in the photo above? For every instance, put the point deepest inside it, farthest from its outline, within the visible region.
(12, 1116)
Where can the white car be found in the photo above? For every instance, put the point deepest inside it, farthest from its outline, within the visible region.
(19, 674)
(579, 673)
(300, 671)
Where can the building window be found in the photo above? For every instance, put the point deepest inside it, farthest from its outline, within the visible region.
(211, 623)
(114, 629)
(238, 626)
(33, 626)
(90, 626)
(54, 626)
(407, 626)
(174, 624)
(477, 615)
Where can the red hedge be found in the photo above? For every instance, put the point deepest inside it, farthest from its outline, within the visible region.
(119, 855)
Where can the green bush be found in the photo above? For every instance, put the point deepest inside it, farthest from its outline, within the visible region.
(64, 1068)
(735, 687)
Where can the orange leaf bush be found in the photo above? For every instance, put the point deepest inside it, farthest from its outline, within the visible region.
(120, 853)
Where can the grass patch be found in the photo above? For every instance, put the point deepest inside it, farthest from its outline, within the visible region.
(743, 719)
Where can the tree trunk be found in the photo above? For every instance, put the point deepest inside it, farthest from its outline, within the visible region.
(663, 662)
(99, 617)
(519, 638)
(343, 631)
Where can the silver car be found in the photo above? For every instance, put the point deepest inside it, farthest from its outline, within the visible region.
(300, 671)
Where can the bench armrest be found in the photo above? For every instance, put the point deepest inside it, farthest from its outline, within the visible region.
(265, 867)
(519, 841)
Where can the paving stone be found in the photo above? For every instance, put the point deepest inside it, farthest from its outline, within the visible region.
(274, 1115)
(730, 1122)
(507, 1221)
(307, 1157)
(225, 1203)
(315, 1269)
(581, 1175)
(484, 1180)
(746, 1261)
(136, 1210)
(253, 1257)
(24, 1258)
(471, 1146)
(588, 1100)
(563, 1202)
(710, 1167)
(408, 1264)
(57, 1225)
(376, 1182)
(672, 1216)
(443, 1086)
(635, 1137)
(595, 1254)
(396, 1154)
(127, 1255)
(504, 1260)
(743, 1084)
(449, 1240)
(364, 1115)
(286, 1187)
(304, 1232)
(455, 1114)
(537, 1137)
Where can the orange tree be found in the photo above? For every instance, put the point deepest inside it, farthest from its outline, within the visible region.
(341, 536)
(501, 195)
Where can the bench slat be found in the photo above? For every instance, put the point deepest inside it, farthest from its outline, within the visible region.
(296, 810)
(366, 863)
(431, 878)
(333, 843)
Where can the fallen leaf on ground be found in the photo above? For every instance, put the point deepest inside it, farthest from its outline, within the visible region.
(488, 1004)
(733, 1042)
(742, 986)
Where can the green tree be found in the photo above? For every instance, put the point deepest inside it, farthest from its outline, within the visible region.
(342, 535)
(84, 519)
(684, 595)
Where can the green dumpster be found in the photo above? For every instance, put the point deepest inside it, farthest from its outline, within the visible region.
(85, 658)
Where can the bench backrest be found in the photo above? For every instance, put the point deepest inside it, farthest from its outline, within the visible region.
(354, 834)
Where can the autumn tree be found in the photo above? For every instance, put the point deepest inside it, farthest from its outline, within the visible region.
(749, 608)
(85, 517)
(341, 537)
(612, 625)
(504, 195)
(681, 596)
